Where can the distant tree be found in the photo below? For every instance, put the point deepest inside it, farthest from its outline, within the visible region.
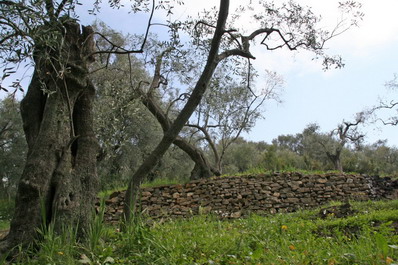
(242, 155)
(334, 142)
(289, 142)
(378, 158)
(276, 157)
(304, 151)
(382, 111)
(228, 109)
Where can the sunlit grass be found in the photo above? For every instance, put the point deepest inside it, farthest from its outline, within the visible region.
(162, 182)
(281, 239)
(368, 237)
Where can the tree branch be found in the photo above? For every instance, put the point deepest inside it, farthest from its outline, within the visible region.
(60, 8)
(50, 9)
(124, 51)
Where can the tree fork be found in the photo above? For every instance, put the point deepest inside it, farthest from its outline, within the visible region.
(202, 168)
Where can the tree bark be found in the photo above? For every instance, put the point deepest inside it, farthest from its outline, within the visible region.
(182, 118)
(59, 182)
(202, 168)
(335, 159)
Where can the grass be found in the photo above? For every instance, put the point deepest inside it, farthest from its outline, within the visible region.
(147, 184)
(6, 210)
(162, 182)
(261, 171)
(368, 237)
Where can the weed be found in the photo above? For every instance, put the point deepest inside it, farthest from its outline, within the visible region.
(6, 210)
(368, 237)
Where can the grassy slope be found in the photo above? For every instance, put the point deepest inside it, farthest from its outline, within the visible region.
(368, 237)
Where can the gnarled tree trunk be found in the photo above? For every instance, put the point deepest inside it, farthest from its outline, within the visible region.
(59, 182)
(336, 159)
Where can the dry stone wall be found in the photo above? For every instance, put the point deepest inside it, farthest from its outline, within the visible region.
(232, 197)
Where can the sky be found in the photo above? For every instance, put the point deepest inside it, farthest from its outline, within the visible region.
(327, 98)
(310, 94)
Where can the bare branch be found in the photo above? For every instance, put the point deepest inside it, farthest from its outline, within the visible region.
(120, 50)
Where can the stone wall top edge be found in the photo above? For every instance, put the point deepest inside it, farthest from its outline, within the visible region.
(263, 176)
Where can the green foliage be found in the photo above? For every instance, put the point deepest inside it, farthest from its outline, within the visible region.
(368, 237)
(126, 130)
(302, 152)
(242, 156)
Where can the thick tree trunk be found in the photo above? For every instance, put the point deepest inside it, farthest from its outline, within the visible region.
(59, 181)
(336, 161)
(192, 103)
(337, 164)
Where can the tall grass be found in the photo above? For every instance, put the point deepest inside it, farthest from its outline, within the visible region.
(6, 210)
(281, 239)
(368, 237)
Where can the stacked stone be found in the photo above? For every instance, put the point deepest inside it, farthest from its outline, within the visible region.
(232, 197)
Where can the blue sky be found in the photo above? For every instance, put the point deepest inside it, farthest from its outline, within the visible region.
(310, 94)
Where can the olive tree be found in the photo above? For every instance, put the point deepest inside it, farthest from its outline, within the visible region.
(59, 177)
(58, 185)
(332, 144)
(288, 26)
(382, 112)
(228, 109)
(129, 120)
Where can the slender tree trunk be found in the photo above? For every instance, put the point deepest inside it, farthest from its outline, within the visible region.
(202, 168)
(183, 117)
(59, 182)
(217, 169)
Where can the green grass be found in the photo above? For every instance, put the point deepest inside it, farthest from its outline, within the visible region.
(6, 210)
(298, 238)
(162, 182)
(368, 237)
(261, 171)
(155, 183)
